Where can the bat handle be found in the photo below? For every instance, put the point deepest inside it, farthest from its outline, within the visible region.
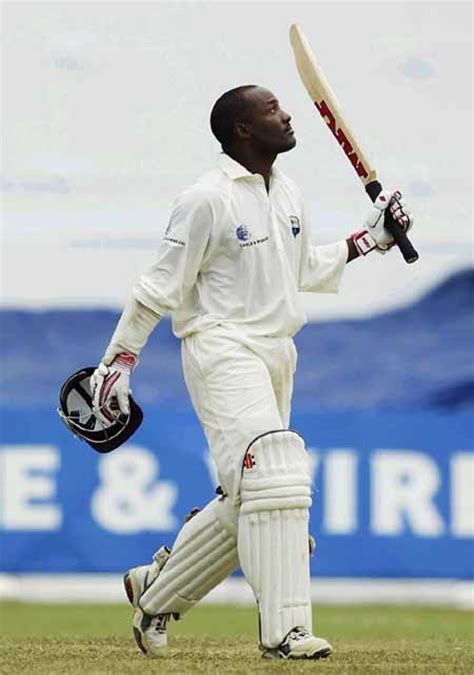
(404, 244)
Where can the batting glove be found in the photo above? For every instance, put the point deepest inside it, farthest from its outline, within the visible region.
(110, 388)
(376, 236)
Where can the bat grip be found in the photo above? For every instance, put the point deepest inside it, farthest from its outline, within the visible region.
(404, 244)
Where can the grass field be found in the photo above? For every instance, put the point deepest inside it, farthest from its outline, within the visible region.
(88, 639)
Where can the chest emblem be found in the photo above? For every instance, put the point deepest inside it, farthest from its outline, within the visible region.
(242, 233)
(295, 225)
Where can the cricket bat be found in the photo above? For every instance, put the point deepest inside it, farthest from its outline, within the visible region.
(325, 101)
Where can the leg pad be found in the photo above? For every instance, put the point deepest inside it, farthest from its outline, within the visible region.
(203, 555)
(273, 532)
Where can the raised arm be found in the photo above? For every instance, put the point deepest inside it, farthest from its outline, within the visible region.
(321, 267)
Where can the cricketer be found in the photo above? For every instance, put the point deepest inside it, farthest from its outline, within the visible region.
(235, 255)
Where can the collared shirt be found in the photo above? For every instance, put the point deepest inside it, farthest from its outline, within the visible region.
(236, 255)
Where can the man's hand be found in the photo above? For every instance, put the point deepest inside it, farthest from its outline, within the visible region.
(110, 387)
(376, 236)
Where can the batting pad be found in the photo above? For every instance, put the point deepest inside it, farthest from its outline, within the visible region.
(203, 555)
(273, 532)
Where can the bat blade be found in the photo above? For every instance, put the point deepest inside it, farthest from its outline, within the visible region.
(327, 104)
(330, 110)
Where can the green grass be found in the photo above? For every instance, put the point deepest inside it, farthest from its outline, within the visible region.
(93, 639)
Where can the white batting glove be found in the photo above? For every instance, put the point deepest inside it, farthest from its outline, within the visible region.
(376, 236)
(110, 388)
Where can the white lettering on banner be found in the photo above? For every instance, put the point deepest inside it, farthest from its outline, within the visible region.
(132, 498)
(340, 492)
(129, 498)
(462, 494)
(28, 488)
(403, 485)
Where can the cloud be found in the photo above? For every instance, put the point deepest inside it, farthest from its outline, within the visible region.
(421, 188)
(67, 62)
(53, 185)
(417, 69)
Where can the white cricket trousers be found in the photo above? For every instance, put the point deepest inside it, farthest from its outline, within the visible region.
(240, 387)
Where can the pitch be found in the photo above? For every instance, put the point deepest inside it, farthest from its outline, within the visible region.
(86, 639)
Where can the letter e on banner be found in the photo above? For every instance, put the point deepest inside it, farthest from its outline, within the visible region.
(28, 488)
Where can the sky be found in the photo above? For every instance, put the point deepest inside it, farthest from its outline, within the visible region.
(105, 110)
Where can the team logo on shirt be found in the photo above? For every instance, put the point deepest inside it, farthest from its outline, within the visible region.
(242, 233)
(295, 225)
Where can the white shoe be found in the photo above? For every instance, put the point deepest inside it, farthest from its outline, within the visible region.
(300, 644)
(137, 580)
(150, 632)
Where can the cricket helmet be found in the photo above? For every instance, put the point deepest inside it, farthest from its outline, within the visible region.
(75, 410)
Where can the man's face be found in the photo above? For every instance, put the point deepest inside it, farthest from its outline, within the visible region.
(268, 127)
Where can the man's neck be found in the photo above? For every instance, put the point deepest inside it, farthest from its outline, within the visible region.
(254, 163)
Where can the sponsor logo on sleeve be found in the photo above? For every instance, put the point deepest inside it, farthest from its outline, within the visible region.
(172, 240)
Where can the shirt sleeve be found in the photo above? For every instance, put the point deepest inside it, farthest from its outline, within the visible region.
(321, 267)
(132, 331)
(185, 244)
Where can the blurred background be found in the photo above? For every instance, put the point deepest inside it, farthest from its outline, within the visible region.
(105, 120)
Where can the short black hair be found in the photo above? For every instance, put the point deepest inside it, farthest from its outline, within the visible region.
(227, 110)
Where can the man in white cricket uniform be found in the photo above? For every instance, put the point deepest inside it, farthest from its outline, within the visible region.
(235, 255)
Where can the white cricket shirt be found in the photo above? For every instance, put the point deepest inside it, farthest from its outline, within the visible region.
(236, 255)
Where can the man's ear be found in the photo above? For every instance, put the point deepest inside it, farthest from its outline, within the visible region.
(241, 131)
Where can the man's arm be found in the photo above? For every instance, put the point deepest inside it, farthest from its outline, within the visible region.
(186, 243)
(321, 269)
(161, 289)
(131, 334)
(111, 379)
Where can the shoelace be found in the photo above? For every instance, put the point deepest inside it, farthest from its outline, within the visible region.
(298, 633)
(161, 622)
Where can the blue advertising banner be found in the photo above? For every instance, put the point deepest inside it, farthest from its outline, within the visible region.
(393, 492)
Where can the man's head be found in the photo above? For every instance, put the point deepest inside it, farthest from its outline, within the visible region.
(251, 116)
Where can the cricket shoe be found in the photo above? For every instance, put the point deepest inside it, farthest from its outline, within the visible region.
(150, 632)
(138, 579)
(300, 644)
